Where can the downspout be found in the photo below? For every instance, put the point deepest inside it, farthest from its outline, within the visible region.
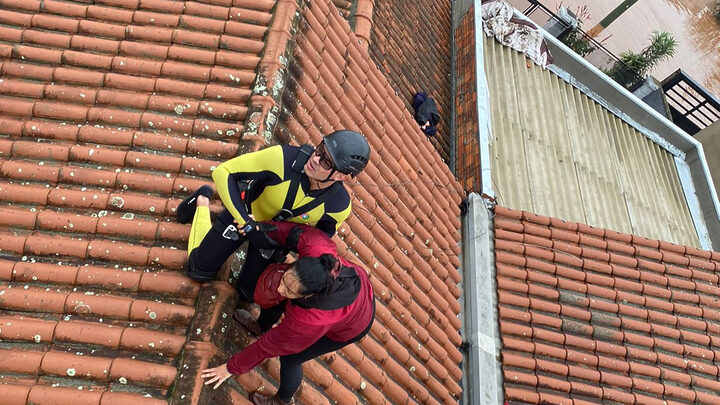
(482, 375)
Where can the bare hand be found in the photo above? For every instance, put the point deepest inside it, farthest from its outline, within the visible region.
(219, 374)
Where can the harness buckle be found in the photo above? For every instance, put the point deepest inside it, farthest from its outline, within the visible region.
(274, 255)
(231, 232)
(283, 215)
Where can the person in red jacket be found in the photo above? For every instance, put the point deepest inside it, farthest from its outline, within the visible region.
(327, 301)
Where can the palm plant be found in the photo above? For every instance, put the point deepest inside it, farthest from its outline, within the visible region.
(662, 46)
(634, 61)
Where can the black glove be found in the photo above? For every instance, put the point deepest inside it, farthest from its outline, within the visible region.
(293, 238)
(256, 233)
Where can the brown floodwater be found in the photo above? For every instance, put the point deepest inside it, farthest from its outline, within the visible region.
(691, 22)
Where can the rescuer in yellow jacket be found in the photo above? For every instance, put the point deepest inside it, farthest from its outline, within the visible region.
(280, 183)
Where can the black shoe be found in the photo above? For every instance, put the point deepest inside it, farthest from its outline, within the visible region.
(186, 209)
(260, 399)
(194, 273)
(248, 321)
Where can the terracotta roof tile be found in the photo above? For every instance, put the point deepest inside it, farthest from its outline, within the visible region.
(392, 23)
(78, 76)
(648, 334)
(40, 393)
(519, 394)
(620, 396)
(15, 18)
(68, 89)
(105, 100)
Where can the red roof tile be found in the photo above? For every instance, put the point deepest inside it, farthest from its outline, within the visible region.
(317, 56)
(113, 111)
(95, 141)
(633, 325)
(397, 33)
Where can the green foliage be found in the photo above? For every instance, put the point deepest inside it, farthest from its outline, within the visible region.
(634, 61)
(716, 10)
(662, 46)
(575, 39)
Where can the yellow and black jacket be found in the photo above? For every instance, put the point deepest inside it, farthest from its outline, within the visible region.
(269, 172)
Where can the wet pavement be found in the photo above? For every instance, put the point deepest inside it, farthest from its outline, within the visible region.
(691, 22)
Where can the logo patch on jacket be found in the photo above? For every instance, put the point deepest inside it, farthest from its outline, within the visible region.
(305, 216)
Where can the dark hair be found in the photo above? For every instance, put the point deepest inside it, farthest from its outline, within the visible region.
(315, 273)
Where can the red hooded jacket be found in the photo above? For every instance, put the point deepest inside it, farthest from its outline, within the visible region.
(301, 327)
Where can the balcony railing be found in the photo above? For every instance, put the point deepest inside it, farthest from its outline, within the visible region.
(586, 46)
(691, 105)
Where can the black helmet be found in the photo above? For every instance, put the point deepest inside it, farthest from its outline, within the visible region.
(349, 151)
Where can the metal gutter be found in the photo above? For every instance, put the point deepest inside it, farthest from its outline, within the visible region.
(693, 202)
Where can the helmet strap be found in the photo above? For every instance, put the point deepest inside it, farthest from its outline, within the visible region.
(332, 172)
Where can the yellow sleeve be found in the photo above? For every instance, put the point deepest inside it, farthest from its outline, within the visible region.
(341, 216)
(264, 166)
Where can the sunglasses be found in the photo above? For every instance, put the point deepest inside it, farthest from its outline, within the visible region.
(325, 159)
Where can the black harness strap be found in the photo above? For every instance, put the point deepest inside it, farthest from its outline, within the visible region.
(325, 196)
(298, 166)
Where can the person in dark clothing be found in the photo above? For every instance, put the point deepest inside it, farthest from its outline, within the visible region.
(327, 301)
(426, 113)
(283, 183)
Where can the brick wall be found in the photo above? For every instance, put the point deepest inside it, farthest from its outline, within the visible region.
(466, 125)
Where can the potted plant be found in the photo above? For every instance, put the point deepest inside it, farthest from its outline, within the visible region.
(575, 38)
(662, 46)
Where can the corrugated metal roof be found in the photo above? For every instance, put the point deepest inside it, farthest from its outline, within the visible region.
(557, 152)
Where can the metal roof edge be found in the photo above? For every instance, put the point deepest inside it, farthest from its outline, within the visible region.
(693, 202)
(483, 105)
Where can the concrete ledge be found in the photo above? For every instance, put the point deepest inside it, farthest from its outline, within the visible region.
(482, 378)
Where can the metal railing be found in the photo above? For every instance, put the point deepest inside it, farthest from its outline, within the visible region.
(584, 45)
(692, 107)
